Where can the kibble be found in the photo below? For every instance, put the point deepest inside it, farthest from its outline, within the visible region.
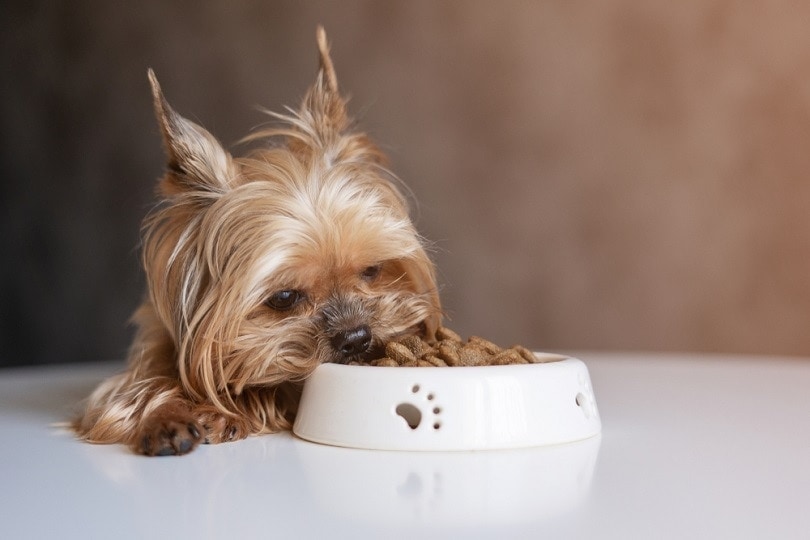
(449, 351)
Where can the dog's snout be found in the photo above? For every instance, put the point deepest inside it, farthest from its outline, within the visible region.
(352, 342)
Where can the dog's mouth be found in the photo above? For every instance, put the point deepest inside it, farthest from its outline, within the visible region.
(376, 351)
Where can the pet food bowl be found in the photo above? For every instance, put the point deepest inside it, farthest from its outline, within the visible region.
(449, 408)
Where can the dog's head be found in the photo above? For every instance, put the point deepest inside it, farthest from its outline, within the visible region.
(302, 252)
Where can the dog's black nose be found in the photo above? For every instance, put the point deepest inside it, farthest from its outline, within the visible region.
(352, 342)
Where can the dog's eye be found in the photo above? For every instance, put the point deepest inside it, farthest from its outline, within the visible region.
(371, 273)
(284, 300)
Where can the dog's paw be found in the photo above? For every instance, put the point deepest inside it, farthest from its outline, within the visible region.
(219, 428)
(169, 436)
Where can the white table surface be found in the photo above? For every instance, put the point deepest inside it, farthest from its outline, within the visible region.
(691, 447)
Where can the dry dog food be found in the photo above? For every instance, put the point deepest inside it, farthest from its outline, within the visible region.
(450, 350)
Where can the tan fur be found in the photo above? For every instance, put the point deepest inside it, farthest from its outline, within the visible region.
(315, 211)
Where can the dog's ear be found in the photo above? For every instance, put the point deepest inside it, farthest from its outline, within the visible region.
(323, 101)
(326, 69)
(195, 160)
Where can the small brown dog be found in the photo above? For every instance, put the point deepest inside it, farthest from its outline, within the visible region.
(259, 269)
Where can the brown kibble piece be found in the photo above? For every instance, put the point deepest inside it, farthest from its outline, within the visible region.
(415, 345)
(445, 334)
(526, 354)
(507, 357)
(471, 356)
(400, 353)
(434, 360)
(482, 343)
(448, 351)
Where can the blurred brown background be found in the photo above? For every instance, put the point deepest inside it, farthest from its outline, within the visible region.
(628, 174)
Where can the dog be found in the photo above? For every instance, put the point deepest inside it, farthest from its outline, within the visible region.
(259, 269)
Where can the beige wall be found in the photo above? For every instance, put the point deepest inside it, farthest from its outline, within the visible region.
(629, 174)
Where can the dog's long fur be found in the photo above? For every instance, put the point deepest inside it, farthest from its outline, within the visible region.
(258, 270)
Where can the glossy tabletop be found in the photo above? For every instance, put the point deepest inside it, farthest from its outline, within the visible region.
(691, 447)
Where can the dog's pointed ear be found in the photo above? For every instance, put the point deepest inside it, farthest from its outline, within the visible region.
(326, 69)
(323, 101)
(195, 160)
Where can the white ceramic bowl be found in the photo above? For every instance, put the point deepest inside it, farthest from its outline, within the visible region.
(449, 408)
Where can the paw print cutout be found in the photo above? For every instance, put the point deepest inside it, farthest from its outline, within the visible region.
(424, 407)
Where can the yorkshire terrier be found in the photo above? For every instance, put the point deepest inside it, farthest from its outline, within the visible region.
(259, 269)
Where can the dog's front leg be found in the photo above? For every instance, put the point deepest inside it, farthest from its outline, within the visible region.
(149, 413)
